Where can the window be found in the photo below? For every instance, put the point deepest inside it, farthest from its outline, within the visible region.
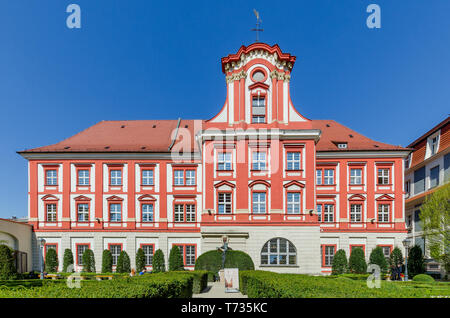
(259, 161)
(81, 248)
(224, 161)
(278, 252)
(258, 109)
(259, 202)
(293, 161)
(329, 176)
(190, 177)
(224, 203)
(184, 212)
(328, 213)
(188, 254)
(383, 213)
(147, 177)
(147, 212)
(408, 186)
(51, 212)
(319, 212)
(115, 212)
(83, 177)
(319, 177)
(434, 177)
(386, 250)
(50, 246)
(355, 176)
(148, 252)
(293, 203)
(115, 250)
(434, 145)
(355, 213)
(352, 247)
(115, 177)
(179, 177)
(383, 176)
(83, 212)
(328, 255)
(342, 145)
(51, 177)
(184, 177)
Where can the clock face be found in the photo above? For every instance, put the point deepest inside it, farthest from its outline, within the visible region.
(258, 76)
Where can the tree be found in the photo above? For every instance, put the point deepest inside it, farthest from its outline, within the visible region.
(68, 260)
(123, 263)
(416, 263)
(7, 266)
(377, 257)
(339, 265)
(176, 259)
(51, 261)
(396, 257)
(140, 260)
(357, 263)
(106, 261)
(158, 262)
(88, 261)
(435, 221)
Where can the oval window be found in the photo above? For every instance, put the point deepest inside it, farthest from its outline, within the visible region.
(258, 76)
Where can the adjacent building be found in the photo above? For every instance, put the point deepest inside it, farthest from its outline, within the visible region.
(288, 190)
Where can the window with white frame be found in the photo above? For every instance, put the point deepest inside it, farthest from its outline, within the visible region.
(190, 255)
(51, 177)
(258, 109)
(224, 203)
(190, 212)
(147, 212)
(115, 250)
(383, 213)
(184, 212)
(190, 177)
(329, 251)
(319, 212)
(51, 212)
(355, 213)
(278, 252)
(116, 177)
(83, 177)
(83, 212)
(355, 176)
(147, 177)
(148, 252)
(50, 247)
(329, 176)
(386, 251)
(259, 161)
(115, 212)
(259, 202)
(293, 160)
(383, 176)
(293, 202)
(434, 144)
(319, 177)
(81, 248)
(224, 161)
(328, 213)
(179, 177)
(434, 177)
(179, 213)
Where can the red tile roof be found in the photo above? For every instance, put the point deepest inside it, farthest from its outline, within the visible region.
(334, 133)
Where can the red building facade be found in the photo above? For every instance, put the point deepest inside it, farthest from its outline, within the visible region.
(287, 190)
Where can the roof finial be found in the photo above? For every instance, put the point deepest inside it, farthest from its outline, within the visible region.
(258, 23)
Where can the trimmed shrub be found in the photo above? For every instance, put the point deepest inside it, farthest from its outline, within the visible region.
(106, 261)
(377, 257)
(158, 262)
(416, 263)
(396, 257)
(51, 261)
(423, 278)
(68, 260)
(88, 261)
(339, 265)
(357, 263)
(200, 281)
(7, 266)
(175, 259)
(123, 263)
(140, 260)
(212, 261)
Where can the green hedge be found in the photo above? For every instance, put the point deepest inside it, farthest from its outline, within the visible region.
(212, 261)
(262, 284)
(200, 281)
(423, 278)
(163, 285)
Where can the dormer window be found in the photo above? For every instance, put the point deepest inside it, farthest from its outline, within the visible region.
(432, 145)
(342, 145)
(259, 109)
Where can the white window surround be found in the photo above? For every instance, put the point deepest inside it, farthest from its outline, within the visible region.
(432, 144)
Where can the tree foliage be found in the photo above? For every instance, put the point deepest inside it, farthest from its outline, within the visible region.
(106, 261)
(176, 259)
(51, 261)
(140, 260)
(357, 263)
(339, 265)
(212, 261)
(123, 263)
(377, 257)
(159, 262)
(68, 260)
(7, 266)
(435, 221)
(416, 264)
(88, 261)
(396, 257)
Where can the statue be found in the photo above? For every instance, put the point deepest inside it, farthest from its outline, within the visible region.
(224, 248)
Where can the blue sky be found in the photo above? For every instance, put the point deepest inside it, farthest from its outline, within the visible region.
(161, 60)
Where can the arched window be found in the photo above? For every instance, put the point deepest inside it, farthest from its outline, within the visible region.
(278, 252)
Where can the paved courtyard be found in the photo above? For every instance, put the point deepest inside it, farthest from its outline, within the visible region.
(217, 290)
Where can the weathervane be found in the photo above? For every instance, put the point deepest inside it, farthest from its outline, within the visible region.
(258, 23)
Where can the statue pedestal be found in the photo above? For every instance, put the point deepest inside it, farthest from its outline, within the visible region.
(221, 276)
